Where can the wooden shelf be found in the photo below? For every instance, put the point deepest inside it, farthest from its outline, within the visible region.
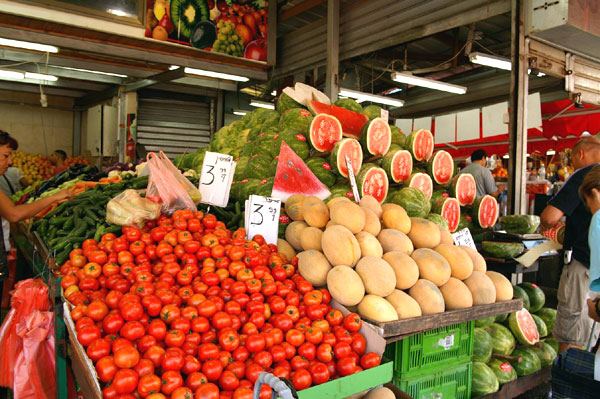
(521, 385)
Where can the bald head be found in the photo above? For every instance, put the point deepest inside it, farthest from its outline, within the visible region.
(586, 152)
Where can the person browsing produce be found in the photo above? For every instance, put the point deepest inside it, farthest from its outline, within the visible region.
(484, 181)
(58, 158)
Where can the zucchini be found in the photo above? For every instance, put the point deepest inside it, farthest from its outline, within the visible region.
(58, 221)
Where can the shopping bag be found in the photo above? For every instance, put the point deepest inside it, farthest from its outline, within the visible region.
(129, 209)
(573, 376)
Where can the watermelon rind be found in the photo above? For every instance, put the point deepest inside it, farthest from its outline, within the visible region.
(480, 206)
(502, 250)
(391, 158)
(431, 167)
(322, 169)
(504, 371)
(297, 119)
(519, 292)
(553, 343)
(366, 184)
(416, 180)
(486, 321)
(398, 138)
(336, 160)
(540, 324)
(537, 298)
(324, 131)
(438, 219)
(530, 362)
(545, 353)
(285, 102)
(549, 317)
(341, 191)
(523, 327)
(414, 202)
(456, 186)
(411, 145)
(484, 381)
(482, 345)
(369, 137)
(501, 318)
(349, 104)
(372, 111)
(442, 205)
(520, 224)
(503, 342)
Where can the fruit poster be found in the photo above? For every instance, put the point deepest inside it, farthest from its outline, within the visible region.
(232, 27)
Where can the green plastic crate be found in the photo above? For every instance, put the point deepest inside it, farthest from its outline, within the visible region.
(447, 383)
(444, 346)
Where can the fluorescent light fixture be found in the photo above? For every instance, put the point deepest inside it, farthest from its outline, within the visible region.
(274, 93)
(11, 74)
(218, 75)
(118, 75)
(429, 83)
(173, 67)
(360, 97)
(505, 156)
(490, 60)
(240, 112)
(28, 45)
(262, 104)
(550, 152)
(39, 76)
(119, 13)
(394, 91)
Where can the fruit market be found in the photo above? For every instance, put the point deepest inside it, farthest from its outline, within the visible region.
(235, 199)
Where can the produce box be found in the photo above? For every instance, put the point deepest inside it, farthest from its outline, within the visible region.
(445, 382)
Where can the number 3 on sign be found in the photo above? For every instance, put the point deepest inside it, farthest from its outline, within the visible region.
(216, 177)
(262, 217)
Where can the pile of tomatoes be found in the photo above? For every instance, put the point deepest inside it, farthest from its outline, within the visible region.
(185, 308)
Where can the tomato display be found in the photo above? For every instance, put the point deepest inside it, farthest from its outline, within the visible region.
(185, 308)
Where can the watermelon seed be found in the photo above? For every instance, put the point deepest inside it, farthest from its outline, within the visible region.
(285, 176)
(298, 170)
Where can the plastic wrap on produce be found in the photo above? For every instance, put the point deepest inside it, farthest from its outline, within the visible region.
(129, 209)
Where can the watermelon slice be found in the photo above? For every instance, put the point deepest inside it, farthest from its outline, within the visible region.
(420, 144)
(352, 122)
(373, 181)
(398, 165)
(523, 327)
(325, 130)
(449, 208)
(423, 182)
(441, 167)
(343, 148)
(311, 93)
(485, 211)
(294, 177)
(463, 188)
(376, 137)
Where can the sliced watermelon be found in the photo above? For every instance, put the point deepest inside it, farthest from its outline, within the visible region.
(485, 211)
(449, 208)
(523, 327)
(352, 122)
(376, 137)
(398, 165)
(343, 148)
(463, 188)
(441, 167)
(420, 144)
(325, 130)
(373, 181)
(423, 182)
(294, 177)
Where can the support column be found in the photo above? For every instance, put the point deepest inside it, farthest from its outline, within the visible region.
(333, 49)
(76, 133)
(519, 90)
(220, 110)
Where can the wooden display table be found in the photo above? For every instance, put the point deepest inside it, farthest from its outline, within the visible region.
(521, 385)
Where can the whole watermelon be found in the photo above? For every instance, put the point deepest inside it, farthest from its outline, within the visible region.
(503, 370)
(553, 343)
(340, 191)
(530, 364)
(541, 326)
(537, 299)
(484, 380)
(520, 224)
(286, 102)
(322, 169)
(503, 342)
(438, 219)
(501, 318)
(350, 104)
(398, 138)
(546, 353)
(549, 317)
(414, 202)
(296, 119)
(465, 222)
(372, 111)
(259, 168)
(519, 292)
(296, 141)
(482, 345)
(485, 322)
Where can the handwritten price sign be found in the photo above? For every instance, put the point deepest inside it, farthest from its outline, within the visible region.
(262, 217)
(216, 178)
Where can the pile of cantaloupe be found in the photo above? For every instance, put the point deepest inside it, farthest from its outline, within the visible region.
(377, 260)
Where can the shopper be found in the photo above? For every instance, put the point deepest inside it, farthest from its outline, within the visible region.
(573, 325)
(12, 181)
(484, 180)
(58, 158)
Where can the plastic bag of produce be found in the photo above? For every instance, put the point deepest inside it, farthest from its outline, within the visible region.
(129, 209)
(168, 186)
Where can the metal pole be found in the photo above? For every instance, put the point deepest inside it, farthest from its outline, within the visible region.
(76, 133)
(333, 49)
(519, 89)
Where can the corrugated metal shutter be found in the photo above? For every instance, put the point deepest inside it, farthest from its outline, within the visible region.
(173, 126)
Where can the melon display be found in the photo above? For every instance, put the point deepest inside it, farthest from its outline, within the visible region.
(352, 122)
(523, 327)
(313, 266)
(464, 189)
(340, 246)
(456, 295)
(440, 221)
(293, 234)
(349, 215)
(368, 201)
(297, 119)
(485, 211)
(324, 131)
(315, 212)
(441, 167)
(482, 345)
(446, 236)
(478, 260)
(424, 233)
(553, 343)
(372, 223)
(549, 317)
(420, 144)
(405, 268)
(372, 111)
(536, 295)
(286, 101)
(520, 224)
(380, 393)
(545, 353)
(423, 182)
(529, 364)
(376, 137)
(428, 296)
(372, 180)
(406, 307)
(484, 381)
(349, 104)
(504, 289)
(413, 200)
(377, 275)
(398, 164)
(283, 247)
(482, 288)
(519, 292)
(369, 246)
(503, 370)
(460, 262)
(503, 250)
(394, 240)
(541, 326)
(310, 238)
(395, 217)
(322, 170)
(449, 209)
(503, 342)
(486, 321)
(345, 285)
(377, 309)
(346, 148)
(432, 266)
(293, 206)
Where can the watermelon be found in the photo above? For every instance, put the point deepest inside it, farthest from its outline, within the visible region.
(376, 137)
(485, 211)
(484, 381)
(294, 177)
(465, 222)
(341, 191)
(502, 250)
(501, 318)
(341, 149)
(296, 141)
(438, 219)
(530, 362)
(503, 370)
(503, 342)
(463, 188)
(372, 111)
(541, 326)
(537, 298)
(420, 144)
(398, 138)
(298, 119)
(414, 202)
(449, 208)
(523, 327)
(553, 343)
(482, 345)
(519, 292)
(372, 180)
(352, 122)
(549, 317)
(322, 170)
(325, 130)
(259, 167)
(487, 321)
(285, 102)
(349, 104)
(520, 224)
(423, 182)
(546, 353)
(441, 167)
(284, 221)
(398, 165)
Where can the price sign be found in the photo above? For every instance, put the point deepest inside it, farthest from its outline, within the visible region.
(447, 342)
(262, 217)
(385, 114)
(464, 237)
(216, 178)
(352, 179)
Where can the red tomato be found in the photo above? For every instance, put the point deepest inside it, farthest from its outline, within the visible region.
(352, 322)
(126, 357)
(125, 381)
(359, 344)
(148, 384)
(319, 373)
(97, 310)
(87, 334)
(171, 380)
(301, 379)
(98, 349)
(346, 366)
(106, 369)
(370, 360)
(212, 369)
(207, 391)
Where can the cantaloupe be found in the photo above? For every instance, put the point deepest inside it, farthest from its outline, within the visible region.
(283, 247)
(371, 203)
(377, 275)
(310, 238)
(432, 266)
(395, 217)
(293, 233)
(405, 305)
(423, 233)
(377, 309)
(456, 295)
(478, 260)
(293, 207)
(460, 262)
(345, 285)
(504, 289)
(428, 296)
(405, 268)
(394, 240)
(380, 393)
(349, 215)
(330, 223)
(482, 288)
(446, 236)
(315, 211)
(335, 200)
(359, 395)
(372, 223)
(314, 267)
(369, 246)
(340, 246)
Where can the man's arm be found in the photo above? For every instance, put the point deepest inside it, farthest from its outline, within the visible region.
(490, 184)
(550, 216)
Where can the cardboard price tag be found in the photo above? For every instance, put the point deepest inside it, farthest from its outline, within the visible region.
(262, 217)
(385, 115)
(216, 178)
(464, 237)
(352, 179)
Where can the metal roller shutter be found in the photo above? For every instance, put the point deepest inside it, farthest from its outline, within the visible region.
(173, 126)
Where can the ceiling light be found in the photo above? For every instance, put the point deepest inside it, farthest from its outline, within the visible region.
(118, 75)
(505, 156)
(490, 60)
(262, 104)
(28, 45)
(11, 74)
(550, 152)
(395, 90)
(218, 75)
(429, 83)
(360, 97)
(274, 93)
(39, 76)
(240, 112)
(173, 67)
